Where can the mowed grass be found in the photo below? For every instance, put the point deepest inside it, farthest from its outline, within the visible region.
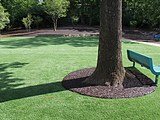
(32, 69)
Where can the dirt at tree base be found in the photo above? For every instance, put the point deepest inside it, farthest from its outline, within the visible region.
(133, 87)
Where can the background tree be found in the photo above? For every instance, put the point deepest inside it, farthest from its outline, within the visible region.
(27, 22)
(91, 9)
(74, 11)
(18, 9)
(137, 13)
(145, 13)
(3, 17)
(56, 9)
(37, 20)
(86, 10)
(109, 70)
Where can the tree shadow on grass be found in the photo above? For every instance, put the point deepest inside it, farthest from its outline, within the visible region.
(6, 78)
(7, 85)
(30, 91)
(30, 42)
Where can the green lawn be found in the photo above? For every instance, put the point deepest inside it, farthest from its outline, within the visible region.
(31, 71)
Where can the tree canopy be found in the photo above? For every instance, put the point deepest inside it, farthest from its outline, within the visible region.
(141, 13)
(136, 13)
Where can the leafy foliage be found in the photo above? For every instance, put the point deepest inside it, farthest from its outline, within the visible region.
(137, 13)
(145, 13)
(18, 9)
(37, 20)
(27, 22)
(3, 17)
(86, 10)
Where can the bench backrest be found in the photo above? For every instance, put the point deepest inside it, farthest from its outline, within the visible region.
(139, 58)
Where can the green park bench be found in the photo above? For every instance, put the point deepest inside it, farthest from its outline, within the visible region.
(144, 61)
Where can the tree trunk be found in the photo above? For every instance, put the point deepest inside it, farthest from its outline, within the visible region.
(82, 13)
(90, 14)
(55, 25)
(54, 19)
(109, 70)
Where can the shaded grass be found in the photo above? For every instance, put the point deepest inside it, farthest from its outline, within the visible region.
(31, 71)
(45, 41)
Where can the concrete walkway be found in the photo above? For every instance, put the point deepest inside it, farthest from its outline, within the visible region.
(148, 43)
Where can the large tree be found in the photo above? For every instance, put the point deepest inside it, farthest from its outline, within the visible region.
(109, 70)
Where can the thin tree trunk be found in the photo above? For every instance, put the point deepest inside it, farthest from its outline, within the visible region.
(0, 34)
(55, 26)
(109, 70)
(90, 14)
(54, 23)
(82, 13)
(29, 29)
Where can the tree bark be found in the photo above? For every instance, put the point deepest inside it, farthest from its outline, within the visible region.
(109, 70)
(90, 14)
(55, 25)
(82, 13)
(54, 19)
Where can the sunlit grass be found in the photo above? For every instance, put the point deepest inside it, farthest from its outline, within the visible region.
(31, 71)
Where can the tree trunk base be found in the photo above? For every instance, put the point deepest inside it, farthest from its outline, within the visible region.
(112, 79)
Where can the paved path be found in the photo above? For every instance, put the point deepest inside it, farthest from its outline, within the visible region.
(148, 43)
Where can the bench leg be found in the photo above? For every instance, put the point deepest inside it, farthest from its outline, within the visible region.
(133, 64)
(156, 80)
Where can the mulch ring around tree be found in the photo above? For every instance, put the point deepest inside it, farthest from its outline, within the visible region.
(134, 87)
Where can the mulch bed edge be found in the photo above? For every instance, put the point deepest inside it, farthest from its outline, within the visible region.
(139, 86)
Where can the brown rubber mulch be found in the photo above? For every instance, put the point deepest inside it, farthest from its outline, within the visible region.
(135, 87)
